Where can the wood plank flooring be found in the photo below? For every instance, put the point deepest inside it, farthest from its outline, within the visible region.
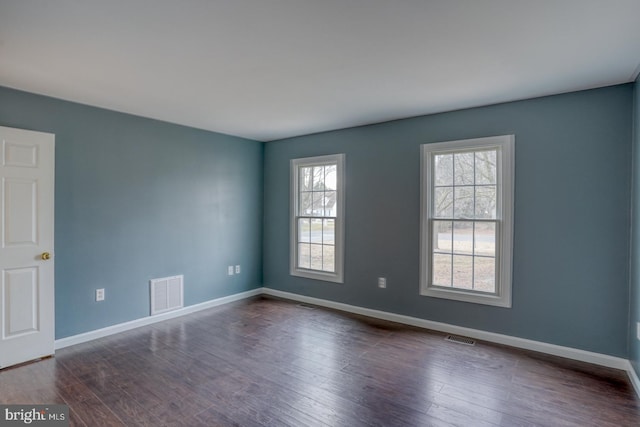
(268, 362)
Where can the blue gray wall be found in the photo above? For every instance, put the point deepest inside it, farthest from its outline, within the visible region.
(634, 294)
(571, 249)
(138, 199)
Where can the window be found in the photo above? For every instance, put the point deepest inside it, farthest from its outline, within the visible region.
(317, 217)
(467, 220)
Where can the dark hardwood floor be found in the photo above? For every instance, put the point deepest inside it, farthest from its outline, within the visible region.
(271, 362)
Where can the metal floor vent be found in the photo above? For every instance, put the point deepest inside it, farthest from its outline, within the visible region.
(460, 340)
(308, 307)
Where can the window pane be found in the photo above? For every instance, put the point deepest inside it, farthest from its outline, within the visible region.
(441, 270)
(485, 238)
(486, 167)
(306, 179)
(443, 202)
(462, 271)
(330, 177)
(318, 207)
(443, 166)
(442, 235)
(304, 255)
(486, 202)
(463, 168)
(329, 231)
(463, 203)
(328, 258)
(330, 203)
(463, 237)
(303, 230)
(316, 230)
(316, 257)
(485, 274)
(318, 178)
(305, 203)
(334, 209)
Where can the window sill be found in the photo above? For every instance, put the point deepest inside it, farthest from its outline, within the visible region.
(317, 275)
(465, 296)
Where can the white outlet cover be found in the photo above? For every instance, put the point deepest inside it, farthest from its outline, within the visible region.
(99, 294)
(237, 269)
(638, 330)
(382, 282)
(230, 270)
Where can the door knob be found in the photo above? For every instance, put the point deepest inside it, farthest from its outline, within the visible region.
(45, 255)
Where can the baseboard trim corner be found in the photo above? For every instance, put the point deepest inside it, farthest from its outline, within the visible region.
(633, 377)
(542, 347)
(144, 321)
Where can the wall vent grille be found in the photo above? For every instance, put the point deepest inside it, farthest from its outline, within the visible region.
(167, 294)
(460, 340)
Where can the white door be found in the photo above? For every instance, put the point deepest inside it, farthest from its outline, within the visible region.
(26, 245)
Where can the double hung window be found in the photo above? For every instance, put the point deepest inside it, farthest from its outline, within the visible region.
(317, 217)
(467, 220)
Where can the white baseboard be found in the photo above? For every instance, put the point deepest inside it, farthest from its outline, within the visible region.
(121, 327)
(556, 350)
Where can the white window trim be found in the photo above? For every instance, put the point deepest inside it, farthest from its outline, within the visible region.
(296, 164)
(505, 145)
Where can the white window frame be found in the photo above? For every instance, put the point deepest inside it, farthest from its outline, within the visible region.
(296, 164)
(505, 146)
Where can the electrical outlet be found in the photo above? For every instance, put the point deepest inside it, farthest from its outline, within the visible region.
(382, 282)
(237, 269)
(100, 294)
(638, 330)
(230, 270)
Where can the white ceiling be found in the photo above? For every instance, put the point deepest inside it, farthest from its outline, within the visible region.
(269, 69)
